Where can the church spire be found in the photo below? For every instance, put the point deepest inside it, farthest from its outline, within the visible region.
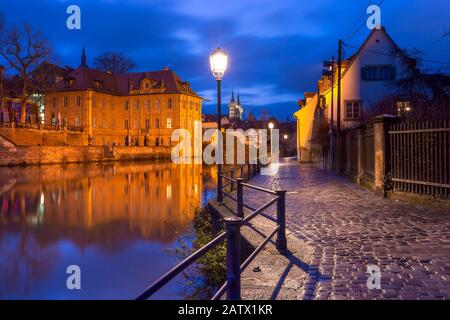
(83, 58)
(232, 96)
(239, 100)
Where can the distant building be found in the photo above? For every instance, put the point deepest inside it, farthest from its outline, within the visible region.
(141, 108)
(235, 108)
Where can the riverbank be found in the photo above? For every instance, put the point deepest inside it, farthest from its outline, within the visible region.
(11, 155)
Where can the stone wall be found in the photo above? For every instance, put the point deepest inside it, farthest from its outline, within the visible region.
(42, 137)
(37, 155)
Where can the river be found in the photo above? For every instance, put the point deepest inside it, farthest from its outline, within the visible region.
(119, 222)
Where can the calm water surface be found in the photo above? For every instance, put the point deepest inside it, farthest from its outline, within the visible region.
(118, 222)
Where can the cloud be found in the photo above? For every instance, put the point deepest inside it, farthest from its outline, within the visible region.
(275, 48)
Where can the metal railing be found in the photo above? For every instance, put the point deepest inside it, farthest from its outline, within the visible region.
(420, 158)
(232, 234)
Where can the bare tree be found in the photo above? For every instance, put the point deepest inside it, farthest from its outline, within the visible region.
(114, 62)
(24, 50)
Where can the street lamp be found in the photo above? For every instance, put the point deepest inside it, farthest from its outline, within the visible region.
(218, 61)
(329, 72)
(2, 118)
(285, 144)
(271, 126)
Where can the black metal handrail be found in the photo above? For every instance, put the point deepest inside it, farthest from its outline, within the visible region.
(158, 284)
(233, 239)
(233, 284)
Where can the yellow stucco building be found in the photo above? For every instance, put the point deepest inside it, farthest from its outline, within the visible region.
(138, 109)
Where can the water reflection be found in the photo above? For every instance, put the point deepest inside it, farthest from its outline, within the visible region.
(114, 220)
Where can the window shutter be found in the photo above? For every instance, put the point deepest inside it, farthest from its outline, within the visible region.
(364, 73)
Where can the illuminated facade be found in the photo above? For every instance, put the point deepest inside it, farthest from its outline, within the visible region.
(129, 109)
(368, 77)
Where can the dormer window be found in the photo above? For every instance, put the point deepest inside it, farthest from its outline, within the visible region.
(68, 83)
(98, 84)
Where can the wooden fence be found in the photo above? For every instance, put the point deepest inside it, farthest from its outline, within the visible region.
(420, 158)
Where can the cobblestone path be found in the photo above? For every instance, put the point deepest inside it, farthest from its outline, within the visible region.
(350, 228)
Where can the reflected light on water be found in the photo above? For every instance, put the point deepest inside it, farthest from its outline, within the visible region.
(117, 221)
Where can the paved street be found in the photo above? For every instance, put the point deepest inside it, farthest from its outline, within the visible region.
(349, 228)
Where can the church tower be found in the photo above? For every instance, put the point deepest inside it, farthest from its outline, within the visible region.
(235, 108)
(83, 59)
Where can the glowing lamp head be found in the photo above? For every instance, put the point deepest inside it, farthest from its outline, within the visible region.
(218, 61)
(271, 125)
(285, 137)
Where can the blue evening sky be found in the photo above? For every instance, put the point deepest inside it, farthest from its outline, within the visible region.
(275, 48)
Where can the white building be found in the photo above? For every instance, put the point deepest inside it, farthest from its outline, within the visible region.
(368, 77)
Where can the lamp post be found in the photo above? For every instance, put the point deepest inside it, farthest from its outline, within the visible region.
(285, 144)
(2, 68)
(330, 65)
(218, 61)
(271, 126)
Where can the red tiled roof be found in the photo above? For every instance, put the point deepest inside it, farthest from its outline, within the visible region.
(84, 78)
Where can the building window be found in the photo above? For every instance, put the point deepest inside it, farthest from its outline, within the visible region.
(136, 124)
(147, 125)
(157, 123)
(169, 104)
(169, 123)
(146, 104)
(77, 121)
(78, 101)
(136, 104)
(65, 101)
(53, 120)
(94, 122)
(126, 124)
(378, 73)
(104, 123)
(353, 110)
(125, 105)
(403, 107)
(196, 107)
(157, 104)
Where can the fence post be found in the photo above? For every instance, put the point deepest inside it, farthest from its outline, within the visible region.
(233, 257)
(219, 187)
(281, 242)
(381, 126)
(240, 198)
(232, 183)
(361, 152)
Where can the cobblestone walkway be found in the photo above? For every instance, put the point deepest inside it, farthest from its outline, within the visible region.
(350, 228)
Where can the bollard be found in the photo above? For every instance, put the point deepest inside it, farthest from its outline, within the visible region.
(281, 242)
(233, 257)
(240, 198)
